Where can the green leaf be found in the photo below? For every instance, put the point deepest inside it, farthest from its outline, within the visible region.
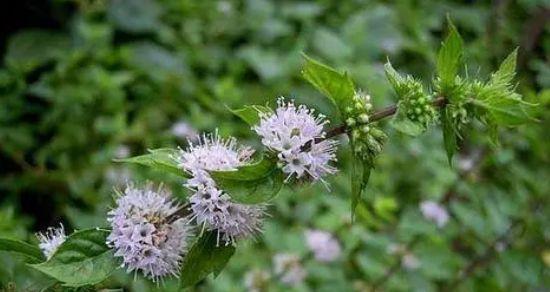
(206, 256)
(251, 113)
(159, 159)
(506, 111)
(83, 259)
(338, 87)
(404, 125)
(30, 49)
(360, 173)
(251, 184)
(30, 251)
(395, 79)
(449, 58)
(449, 135)
(506, 72)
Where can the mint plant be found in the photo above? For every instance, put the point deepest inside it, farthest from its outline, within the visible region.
(231, 185)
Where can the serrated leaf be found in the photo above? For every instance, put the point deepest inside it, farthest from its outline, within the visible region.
(338, 87)
(449, 135)
(449, 58)
(251, 113)
(360, 174)
(253, 183)
(159, 159)
(506, 72)
(404, 125)
(83, 259)
(505, 111)
(32, 252)
(206, 256)
(395, 79)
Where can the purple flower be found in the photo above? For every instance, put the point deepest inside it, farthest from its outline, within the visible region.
(288, 130)
(211, 206)
(144, 234)
(324, 246)
(434, 212)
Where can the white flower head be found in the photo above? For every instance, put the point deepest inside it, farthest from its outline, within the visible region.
(211, 206)
(295, 134)
(184, 130)
(144, 233)
(51, 240)
(435, 212)
(288, 268)
(324, 246)
(257, 280)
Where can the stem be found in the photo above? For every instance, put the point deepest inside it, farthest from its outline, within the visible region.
(379, 115)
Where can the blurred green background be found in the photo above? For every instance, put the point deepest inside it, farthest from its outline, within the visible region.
(84, 82)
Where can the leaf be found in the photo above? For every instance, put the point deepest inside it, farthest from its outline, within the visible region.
(506, 111)
(30, 251)
(449, 135)
(506, 72)
(449, 58)
(30, 49)
(338, 87)
(253, 183)
(204, 257)
(404, 125)
(251, 113)
(360, 173)
(83, 259)
(395, 79)
(159, 159)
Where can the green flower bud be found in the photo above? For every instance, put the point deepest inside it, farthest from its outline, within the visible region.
(350, 122)
(365, 129)
(364, 118)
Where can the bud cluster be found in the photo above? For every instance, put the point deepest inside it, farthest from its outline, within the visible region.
(416, 103)
(457, 100)
(367, 140)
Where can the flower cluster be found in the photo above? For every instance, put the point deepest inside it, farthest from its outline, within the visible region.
(434, 212)
(144, 233)
(324, 246)
(51, 240)
(211, 206)
(367, 140)
(296, 134)
(416, 103)
(288, 268)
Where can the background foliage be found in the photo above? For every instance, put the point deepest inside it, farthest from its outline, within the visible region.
(84, 82)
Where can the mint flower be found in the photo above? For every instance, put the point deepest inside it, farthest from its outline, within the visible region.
(143, 233)
(324, 246)
(434, 212)
(51, 240)
(294, 134)
(212, 207)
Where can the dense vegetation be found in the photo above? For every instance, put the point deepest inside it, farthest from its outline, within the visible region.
(97, 81)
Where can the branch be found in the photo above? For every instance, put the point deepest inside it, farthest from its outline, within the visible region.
(376, 116)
